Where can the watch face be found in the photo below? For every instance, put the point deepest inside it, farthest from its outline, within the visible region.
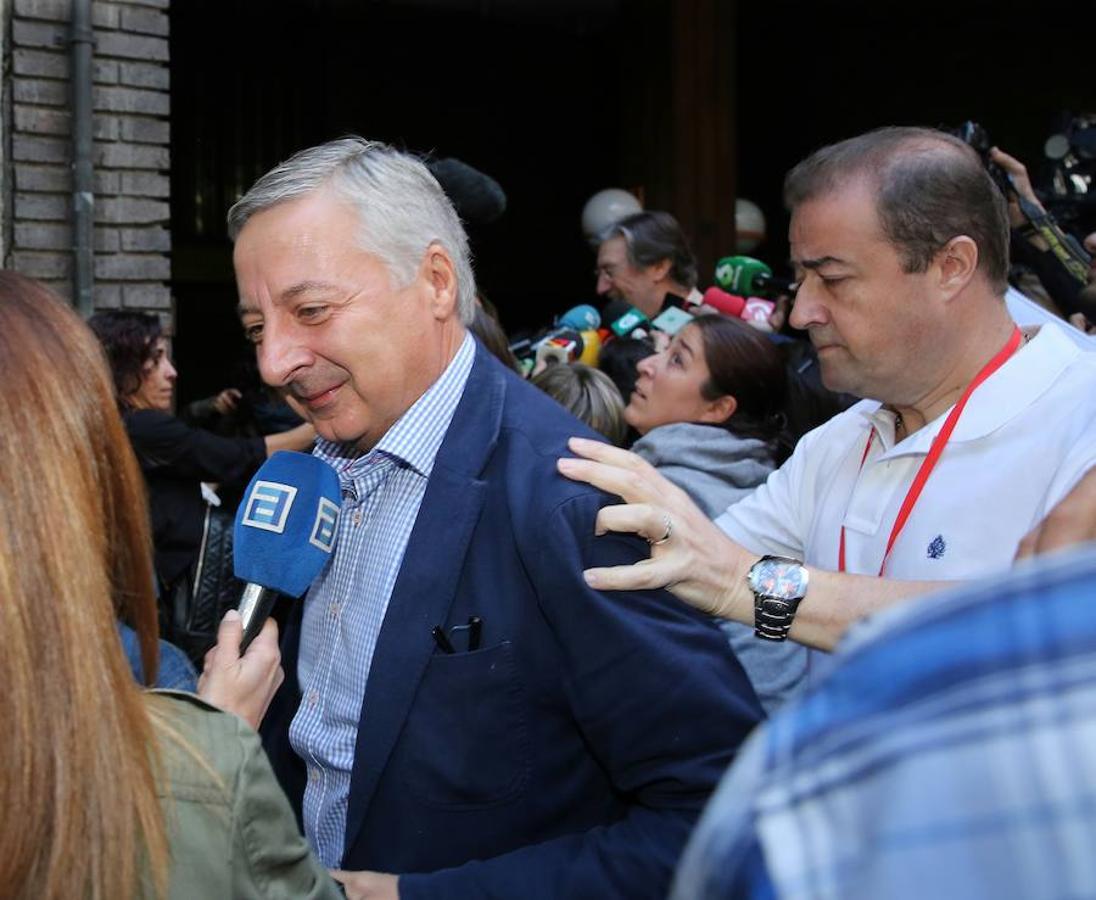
(779, 578)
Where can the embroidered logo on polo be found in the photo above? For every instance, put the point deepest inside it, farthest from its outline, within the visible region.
(268, 506)
(937, 547)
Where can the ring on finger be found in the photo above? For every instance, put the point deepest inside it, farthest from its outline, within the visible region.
(668, 522)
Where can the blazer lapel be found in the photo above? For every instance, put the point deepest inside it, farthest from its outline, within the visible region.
(427, 580)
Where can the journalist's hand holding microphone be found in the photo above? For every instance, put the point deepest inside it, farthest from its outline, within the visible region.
(285, 531)
(245, 684)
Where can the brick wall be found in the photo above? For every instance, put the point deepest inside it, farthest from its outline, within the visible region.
(131, 159)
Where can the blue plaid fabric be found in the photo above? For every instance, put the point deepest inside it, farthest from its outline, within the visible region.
(951, 752)
(345, 606)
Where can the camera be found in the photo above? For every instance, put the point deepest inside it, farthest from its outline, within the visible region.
(1069, 179)
(1065, 182)
(977, 137)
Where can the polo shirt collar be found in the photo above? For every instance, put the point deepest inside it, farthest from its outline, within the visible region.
(1025, 377)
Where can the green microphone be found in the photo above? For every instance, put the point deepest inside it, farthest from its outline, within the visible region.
(742, 275)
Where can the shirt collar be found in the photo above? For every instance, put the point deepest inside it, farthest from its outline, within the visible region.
(415, 437)
(1029, 373)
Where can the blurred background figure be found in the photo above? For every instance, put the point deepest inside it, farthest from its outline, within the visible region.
(620, 360)
(710, 409)
(249, 408)
(175, 671)
(587, 393)
(191, 530)
(642, 258)
(109, 792)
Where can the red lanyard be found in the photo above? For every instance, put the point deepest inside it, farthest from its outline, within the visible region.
(935, 451)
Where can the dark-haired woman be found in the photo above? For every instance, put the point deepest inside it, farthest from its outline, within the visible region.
(710, 412)
(176, 460)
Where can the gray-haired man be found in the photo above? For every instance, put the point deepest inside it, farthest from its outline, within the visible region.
(459, 707)
(644, 257)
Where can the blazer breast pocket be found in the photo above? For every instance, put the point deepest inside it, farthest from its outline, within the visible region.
(466, 741)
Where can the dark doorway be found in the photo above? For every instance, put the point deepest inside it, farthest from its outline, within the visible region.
(534, 94)
(557, 99)
(812, 73)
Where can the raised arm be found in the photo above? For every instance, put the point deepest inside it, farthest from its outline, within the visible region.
(700, 565)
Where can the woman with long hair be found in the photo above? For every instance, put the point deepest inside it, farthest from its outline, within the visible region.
(710, 410)
(109, 792)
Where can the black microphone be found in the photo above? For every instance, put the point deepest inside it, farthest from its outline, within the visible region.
(478, 198)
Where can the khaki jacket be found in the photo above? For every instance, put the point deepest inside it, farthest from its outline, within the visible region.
(230, 829)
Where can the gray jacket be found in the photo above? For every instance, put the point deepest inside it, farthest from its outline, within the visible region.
(717, 469)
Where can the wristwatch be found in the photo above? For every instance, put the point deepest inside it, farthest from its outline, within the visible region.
(778, 584)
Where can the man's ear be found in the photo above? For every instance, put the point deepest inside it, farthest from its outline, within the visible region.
(957, 262)
(719, 410)
(440, 276)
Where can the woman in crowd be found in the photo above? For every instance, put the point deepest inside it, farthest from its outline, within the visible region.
(109, 792)
(176, 460)
(710, 412)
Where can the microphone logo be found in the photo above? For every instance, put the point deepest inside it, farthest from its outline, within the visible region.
(323, 530)
(268, 506)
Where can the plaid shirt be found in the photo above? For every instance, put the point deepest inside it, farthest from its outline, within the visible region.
(950, 753)
(345, 606)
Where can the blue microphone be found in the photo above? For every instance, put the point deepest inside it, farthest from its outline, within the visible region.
(580, 318)
(284, 534)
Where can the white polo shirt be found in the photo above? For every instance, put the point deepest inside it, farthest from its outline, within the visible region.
(1026, 437)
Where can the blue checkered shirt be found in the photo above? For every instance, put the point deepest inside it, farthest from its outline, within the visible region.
(949, 754)
(345, 606)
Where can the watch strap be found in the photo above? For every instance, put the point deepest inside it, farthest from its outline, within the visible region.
(773, 617)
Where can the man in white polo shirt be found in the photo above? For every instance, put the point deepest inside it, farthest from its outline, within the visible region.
(973, 431)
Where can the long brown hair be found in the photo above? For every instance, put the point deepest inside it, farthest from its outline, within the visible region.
(78, 779)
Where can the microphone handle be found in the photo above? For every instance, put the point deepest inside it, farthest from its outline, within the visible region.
(255, 606)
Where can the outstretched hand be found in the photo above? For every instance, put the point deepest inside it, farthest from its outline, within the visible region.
(690, 556)
(246, 684)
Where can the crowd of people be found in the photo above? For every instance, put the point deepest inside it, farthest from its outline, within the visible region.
(807, 655)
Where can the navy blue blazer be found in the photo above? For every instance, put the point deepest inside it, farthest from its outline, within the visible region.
(571, 754)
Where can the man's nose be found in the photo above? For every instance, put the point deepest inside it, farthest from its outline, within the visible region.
(604, 283)
(807, 306)
(280, 355)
